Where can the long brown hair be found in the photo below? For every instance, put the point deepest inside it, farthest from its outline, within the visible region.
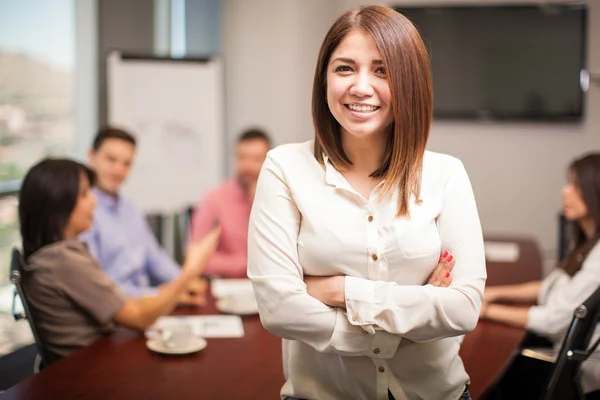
(586, 174)
(406, 62)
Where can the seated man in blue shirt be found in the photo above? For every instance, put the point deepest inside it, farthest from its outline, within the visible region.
(120, 237)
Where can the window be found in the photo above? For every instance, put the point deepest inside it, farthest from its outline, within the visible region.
(37, 57)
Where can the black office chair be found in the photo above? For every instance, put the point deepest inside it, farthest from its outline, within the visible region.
(17, 277)
(564, 382)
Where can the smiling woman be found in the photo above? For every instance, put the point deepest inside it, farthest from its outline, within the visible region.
(357, 87)
(352, 77)
(347, 230)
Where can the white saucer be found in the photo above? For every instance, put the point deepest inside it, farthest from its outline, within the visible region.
(196, 344)
(225, 305)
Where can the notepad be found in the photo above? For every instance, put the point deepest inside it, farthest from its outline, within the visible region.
(501, 251)
(208, 326)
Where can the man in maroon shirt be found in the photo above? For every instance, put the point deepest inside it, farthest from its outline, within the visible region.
(229, 206)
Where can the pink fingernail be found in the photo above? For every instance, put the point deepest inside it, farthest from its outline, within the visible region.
(445, 254)
(447, 274)
(450, 258)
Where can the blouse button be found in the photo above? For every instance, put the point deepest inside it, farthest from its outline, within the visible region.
(381, 369)
(374, 257)
(370, 218)
(376, 351)
(355, 317)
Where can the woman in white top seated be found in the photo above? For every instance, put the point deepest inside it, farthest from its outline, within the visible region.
(346, 230)
(558, 295)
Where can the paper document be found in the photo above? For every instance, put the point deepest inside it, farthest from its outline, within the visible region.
(208, 326)
(501, 251)
(551, 354)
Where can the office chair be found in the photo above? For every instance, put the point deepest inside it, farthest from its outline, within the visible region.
(564, 382)
(16, 277)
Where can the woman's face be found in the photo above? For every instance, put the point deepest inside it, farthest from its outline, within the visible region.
(574, 207)
(358, 91)
(82, 217)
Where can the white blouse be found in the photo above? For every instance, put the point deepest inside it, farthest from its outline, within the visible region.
(397, 333)
(560, 294)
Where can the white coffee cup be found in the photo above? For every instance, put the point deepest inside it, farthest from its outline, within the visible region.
(176, 335)
(242, 303)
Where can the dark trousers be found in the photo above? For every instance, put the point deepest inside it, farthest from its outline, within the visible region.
(524, 379)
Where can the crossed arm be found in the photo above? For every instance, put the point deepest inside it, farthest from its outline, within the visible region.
(310, 309)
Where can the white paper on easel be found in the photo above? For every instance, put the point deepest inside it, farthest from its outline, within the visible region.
(175, 108)
(208, 326)
(501, 251)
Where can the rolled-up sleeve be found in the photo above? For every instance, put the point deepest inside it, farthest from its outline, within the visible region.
(427, 313)
(285, 307)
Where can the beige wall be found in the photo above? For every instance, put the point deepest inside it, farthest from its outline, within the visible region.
(517, 170)
(270, 49)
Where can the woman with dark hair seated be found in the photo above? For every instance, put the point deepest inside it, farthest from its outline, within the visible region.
(72, 300)
(558, 295)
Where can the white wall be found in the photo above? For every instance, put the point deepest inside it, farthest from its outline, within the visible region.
(517, 170)
(270, 49)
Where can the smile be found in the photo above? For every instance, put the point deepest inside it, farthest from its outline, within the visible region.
(362, 108)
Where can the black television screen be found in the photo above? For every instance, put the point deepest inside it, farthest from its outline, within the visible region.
(505, 63)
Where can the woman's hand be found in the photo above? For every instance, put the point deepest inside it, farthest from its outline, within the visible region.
(484, 308)
(492, 294)
(328, 290)
(195, 294)
(442, 275)
(198, 253)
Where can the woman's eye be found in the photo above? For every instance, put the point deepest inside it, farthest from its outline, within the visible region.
(380, 70)
(343, 68)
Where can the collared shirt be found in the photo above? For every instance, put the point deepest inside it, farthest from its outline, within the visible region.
(560, 294)
(396, 333)
(72, 300)
(126, 248)
(228, 205)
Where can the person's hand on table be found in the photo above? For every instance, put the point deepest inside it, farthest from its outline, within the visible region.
(191, 299)
(195, 294)
(483, 309)
(492, 294)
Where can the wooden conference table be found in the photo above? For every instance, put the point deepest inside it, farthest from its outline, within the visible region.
(121, 367)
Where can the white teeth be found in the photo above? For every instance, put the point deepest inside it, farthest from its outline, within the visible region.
(362, 108)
